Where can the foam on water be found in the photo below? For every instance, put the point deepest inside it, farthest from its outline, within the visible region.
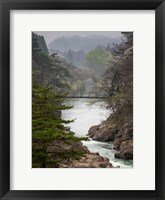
(86, 115)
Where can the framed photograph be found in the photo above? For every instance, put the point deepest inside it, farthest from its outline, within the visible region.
(82, 92)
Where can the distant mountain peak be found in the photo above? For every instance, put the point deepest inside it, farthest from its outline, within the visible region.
(78, 43)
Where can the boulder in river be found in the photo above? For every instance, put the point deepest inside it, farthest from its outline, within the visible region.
(102, 133)
(121, 135)
(126, 150)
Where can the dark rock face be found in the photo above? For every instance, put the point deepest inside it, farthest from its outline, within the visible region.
(122, 137)
(126, 150)
(93, 129)
(102, 133)
(124, 142)
(117, 143)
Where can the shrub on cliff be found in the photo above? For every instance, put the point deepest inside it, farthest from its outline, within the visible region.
(117, 82)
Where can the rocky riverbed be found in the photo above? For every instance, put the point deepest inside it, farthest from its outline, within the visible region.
(86, 114)
(87, 160)
(122, 136)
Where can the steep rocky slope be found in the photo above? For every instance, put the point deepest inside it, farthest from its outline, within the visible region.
(121, 135)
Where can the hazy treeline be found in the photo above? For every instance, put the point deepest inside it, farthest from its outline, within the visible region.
(50, 77)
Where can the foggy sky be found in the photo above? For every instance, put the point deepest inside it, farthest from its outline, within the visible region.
(51, 35)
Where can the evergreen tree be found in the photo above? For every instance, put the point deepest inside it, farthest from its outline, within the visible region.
(39, 44)
(47, 104)
(47, 124)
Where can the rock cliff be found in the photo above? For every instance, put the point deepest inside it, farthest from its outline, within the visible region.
(121, 135)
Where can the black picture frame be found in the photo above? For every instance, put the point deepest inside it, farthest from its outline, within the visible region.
(5, 7)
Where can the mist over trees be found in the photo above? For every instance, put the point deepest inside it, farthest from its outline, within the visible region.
(117, 82)
(40, 44)
(76, 58)
(48, 86)
(106, 70)
(77, 67)
(78, 43)
(116, 85)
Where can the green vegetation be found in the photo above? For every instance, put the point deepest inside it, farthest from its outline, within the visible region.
(117, 82)
(98, 60)
(49, 79)
(105, 71)
(39, 43)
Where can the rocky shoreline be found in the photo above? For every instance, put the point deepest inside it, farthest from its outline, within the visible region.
(121, 135)
(87, 160)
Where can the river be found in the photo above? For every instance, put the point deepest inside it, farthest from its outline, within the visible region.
(87, 112)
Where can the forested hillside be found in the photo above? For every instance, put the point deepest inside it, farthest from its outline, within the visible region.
(92, 68)
(40, 44)
(78, 43)
(47, 103)
(54, 145)
(117, 86)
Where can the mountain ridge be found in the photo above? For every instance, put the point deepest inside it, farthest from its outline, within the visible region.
(77, 43)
